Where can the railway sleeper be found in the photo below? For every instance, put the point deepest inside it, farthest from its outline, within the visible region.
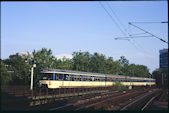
(139, 102)
(106, 100)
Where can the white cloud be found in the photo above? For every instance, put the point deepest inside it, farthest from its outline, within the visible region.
(25, 53)
(60, 56)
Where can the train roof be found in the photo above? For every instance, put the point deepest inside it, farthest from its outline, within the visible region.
(47, 70)
(71, 71)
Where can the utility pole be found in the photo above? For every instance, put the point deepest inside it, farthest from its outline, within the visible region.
(31, 86)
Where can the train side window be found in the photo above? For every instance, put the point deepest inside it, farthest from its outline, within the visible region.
(54, 76)
(97, 79)
(90, 78)
(60, 76)
(77, 78)
(57, 76)
(64, 77)
(100, 78)
(49, 76)
(68, 77)
(93, 78)
(105, 78)
(84, 78)
(87, 78)
(72, 78)
(80, 77)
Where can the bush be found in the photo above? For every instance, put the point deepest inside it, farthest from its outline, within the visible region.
(119, 86)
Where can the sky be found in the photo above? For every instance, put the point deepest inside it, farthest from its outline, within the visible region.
(65, 27)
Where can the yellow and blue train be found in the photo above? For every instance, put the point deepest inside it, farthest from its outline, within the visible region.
(58, 78)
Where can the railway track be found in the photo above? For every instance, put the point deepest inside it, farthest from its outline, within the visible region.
(109, 100)
(142, 102)
(101, 101)
(20, 98)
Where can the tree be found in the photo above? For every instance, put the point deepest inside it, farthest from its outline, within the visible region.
(43, 59)
(97, 63)
(123, 61)
(81, 61)
(64, 63)
(5, 76)
(112, 67)
(137, 70)
(161, 77)
(20, 68)
(124, 65)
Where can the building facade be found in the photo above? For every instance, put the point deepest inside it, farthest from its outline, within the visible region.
(164, 59)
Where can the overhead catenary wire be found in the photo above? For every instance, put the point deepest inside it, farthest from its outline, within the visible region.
(130, 35)
(116, 16)
(150, 22)
(134, 45)
(133, 36)
(136, 34)
(118, 25)
(148, 33)
(112, 18)
(142, 49)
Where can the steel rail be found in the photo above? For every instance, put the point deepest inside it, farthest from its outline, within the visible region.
(133, 102)
(60, 107)
(103, 100)
(145, 106)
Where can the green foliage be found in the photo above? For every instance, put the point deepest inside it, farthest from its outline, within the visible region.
(20, 68)
(81, 61)
(98, 63)
(161, 77)
(5, 77)
(43, 59)
(132, 69)
(118, 86)
(137, 70)
(123, 61)
(64, 63)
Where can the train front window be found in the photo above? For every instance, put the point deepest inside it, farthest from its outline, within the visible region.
(46, 76)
